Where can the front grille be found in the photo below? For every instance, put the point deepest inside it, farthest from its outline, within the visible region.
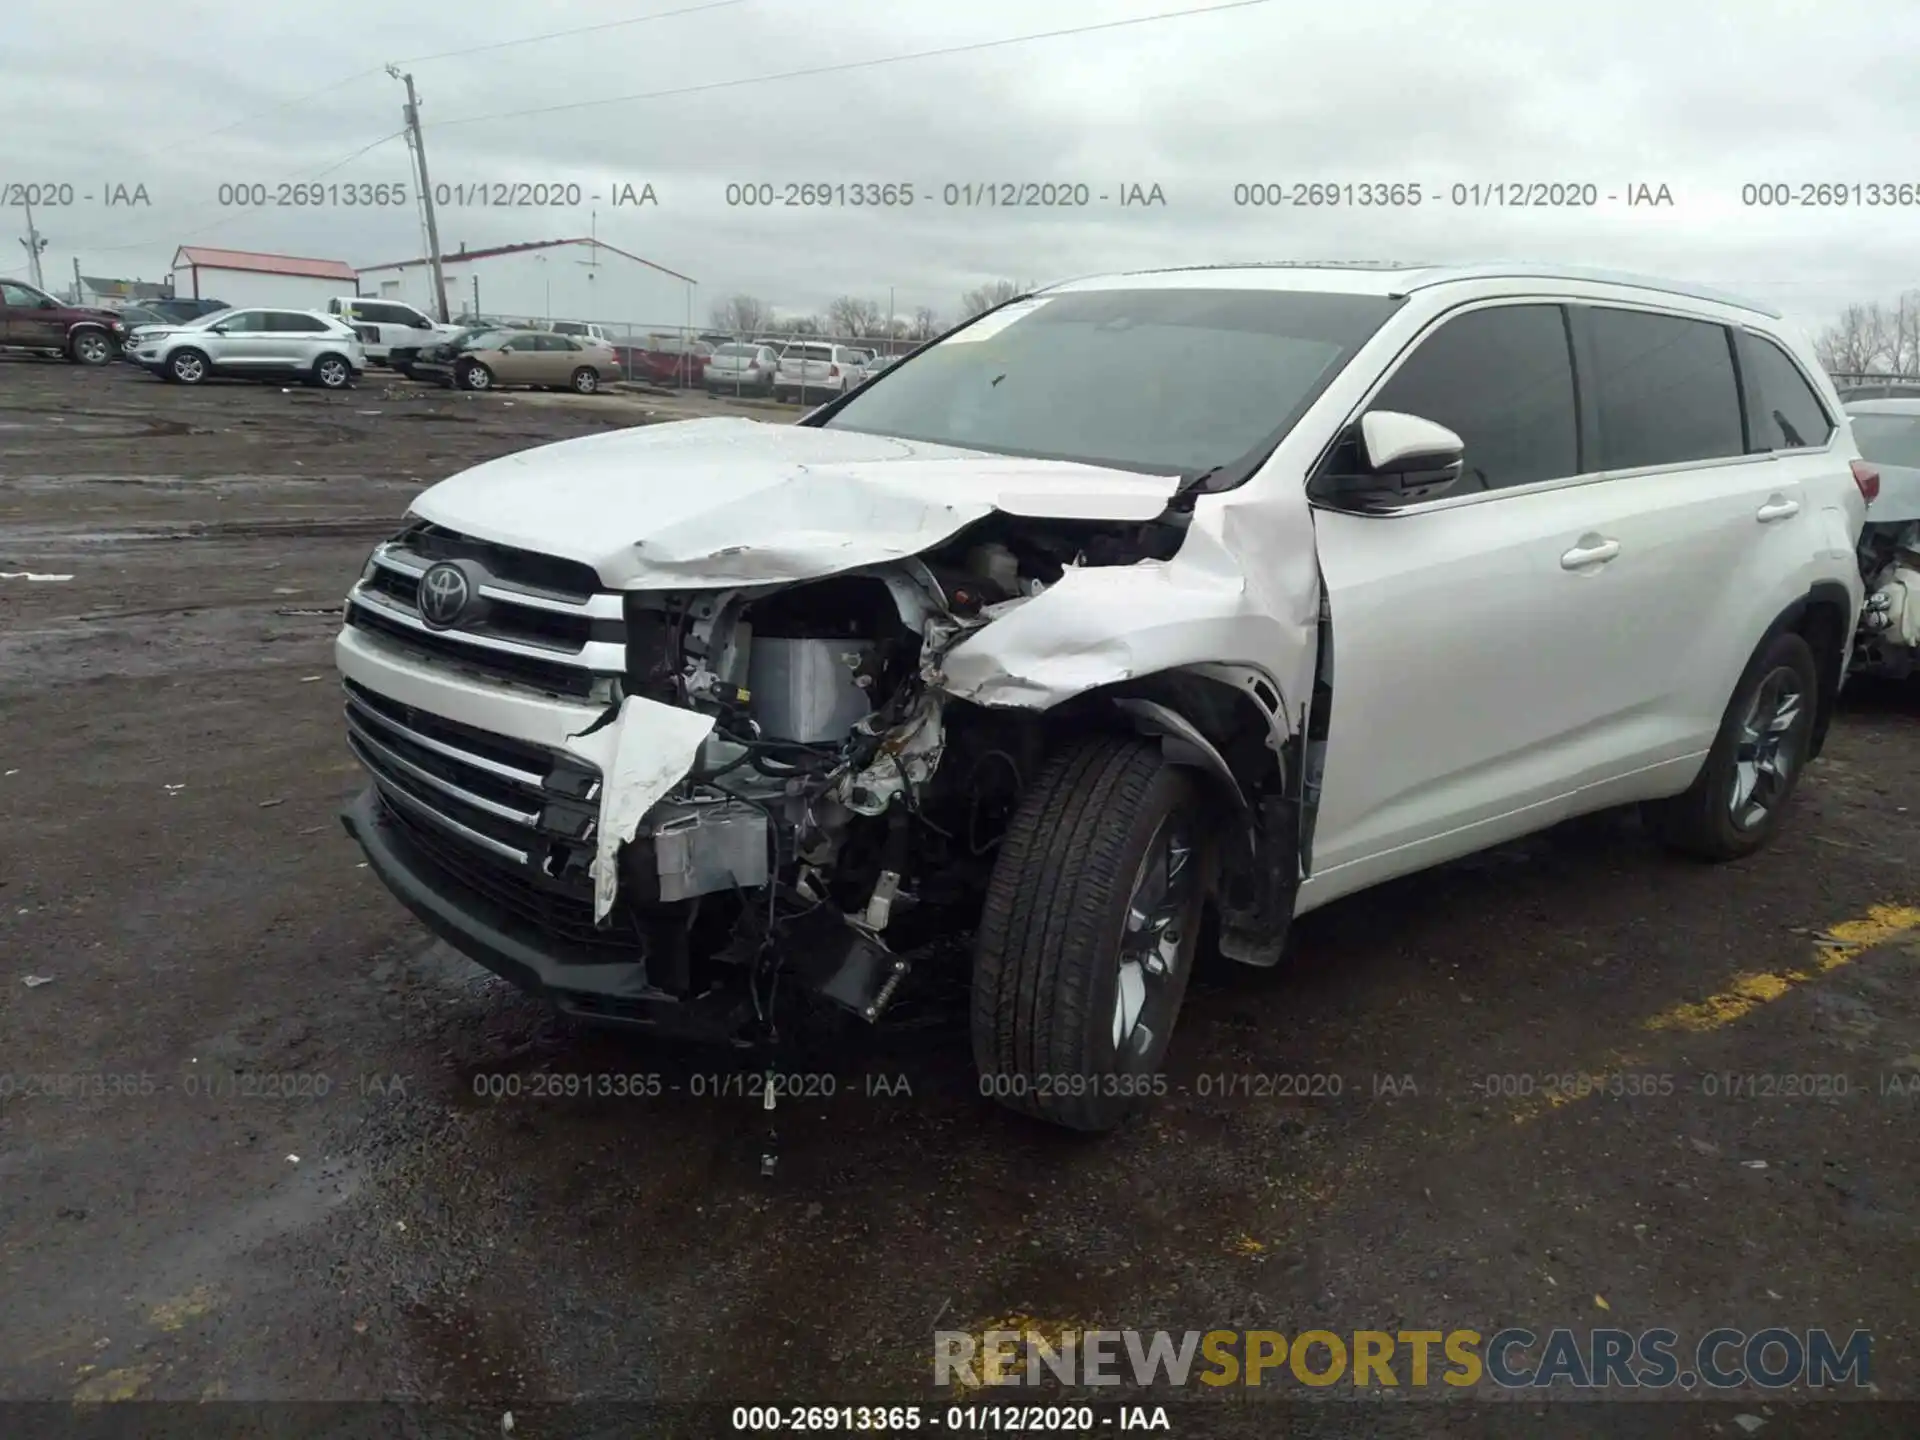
(510, 819)
(538, 620)
(567, 917)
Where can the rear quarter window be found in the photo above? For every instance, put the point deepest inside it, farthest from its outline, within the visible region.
(1784, 411)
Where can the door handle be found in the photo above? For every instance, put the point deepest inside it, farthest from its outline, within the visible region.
(1778, 507)
(1594, 551)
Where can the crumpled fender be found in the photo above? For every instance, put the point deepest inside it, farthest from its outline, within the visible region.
(1102, 625)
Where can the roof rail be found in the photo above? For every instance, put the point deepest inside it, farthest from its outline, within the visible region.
(1532, 270)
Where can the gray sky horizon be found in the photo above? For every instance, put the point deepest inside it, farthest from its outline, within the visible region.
(1701, 99)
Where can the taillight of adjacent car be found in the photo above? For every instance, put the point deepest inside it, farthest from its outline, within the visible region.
(1868, 479)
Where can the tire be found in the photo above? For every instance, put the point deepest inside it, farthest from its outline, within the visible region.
(1050, 967)
(89, 347)
(586, 380)
(332, 372)
(473, 376)
(1735, 804)
(188, 366)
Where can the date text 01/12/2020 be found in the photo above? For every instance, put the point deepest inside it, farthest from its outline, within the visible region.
(951, 195)
(1474, 195)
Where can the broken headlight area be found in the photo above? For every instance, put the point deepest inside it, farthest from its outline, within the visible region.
(842, 812)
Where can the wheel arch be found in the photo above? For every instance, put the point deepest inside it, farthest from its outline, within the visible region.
(1823, 617)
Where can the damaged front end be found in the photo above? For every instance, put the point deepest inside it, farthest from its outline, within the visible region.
(777, 789)
(796, 796)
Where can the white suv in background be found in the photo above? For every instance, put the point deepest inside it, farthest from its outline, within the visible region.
(816, 370)
(321, 349)
(384, 324)
(585, 331)
(1228, 590)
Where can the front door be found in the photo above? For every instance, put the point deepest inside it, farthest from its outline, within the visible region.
(242, 342)
(1484, 639)
(28, 317)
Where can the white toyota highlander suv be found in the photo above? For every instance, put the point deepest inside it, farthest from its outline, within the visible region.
(1139, 598)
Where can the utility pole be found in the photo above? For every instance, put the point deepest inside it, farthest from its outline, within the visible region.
(412, 113)
(34, 243)
(76, 279)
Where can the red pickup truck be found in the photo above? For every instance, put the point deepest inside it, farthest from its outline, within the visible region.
(31, 319)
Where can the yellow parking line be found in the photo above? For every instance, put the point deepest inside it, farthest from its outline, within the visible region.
(1841, 944)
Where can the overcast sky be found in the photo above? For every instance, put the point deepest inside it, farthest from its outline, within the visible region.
(1701, 96)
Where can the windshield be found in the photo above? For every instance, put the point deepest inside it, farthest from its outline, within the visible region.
(484, 339)
(1889, 439)
(1161, 380)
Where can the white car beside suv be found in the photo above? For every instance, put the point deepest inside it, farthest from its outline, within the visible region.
(321, 349)
(386, 325)
(814, 370)
(1140, 598)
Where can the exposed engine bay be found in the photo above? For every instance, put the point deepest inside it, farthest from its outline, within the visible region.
(843, 807)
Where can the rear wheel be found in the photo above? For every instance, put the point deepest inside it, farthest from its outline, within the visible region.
(1735, 804)
(189, 367)
(1088, 934)
(474, 376)
(331, 372)
(586, 380)
(89, 347)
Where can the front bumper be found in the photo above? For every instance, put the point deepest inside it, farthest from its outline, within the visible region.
(580, 980)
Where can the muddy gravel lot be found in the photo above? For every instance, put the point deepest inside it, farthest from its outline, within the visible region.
(261, 1140)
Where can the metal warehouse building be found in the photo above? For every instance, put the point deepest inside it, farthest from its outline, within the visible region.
(244, 277)
(578, 279)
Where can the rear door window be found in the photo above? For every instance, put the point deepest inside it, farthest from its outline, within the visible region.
(1502, 380)
(291, 322)
(1785, 412)
(1665, 389)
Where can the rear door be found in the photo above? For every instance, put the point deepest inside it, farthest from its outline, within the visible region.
(1521, 637)
(555, 357)
(30, 319)
(299, 337)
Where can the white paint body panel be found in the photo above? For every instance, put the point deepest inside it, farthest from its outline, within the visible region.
(706, 504)
(1481, 690)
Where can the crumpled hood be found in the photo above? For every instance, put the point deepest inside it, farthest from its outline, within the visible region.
(709, 503)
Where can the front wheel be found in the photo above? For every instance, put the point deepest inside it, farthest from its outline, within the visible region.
(1735, 804)
(1088, 935)
(585, 381)
(189, 367)
(474, 376)
(89, 347)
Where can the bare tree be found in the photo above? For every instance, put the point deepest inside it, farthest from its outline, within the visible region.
(742, 315)
(1856, 343)
(995, 292)
(924, 325)
(856, 318)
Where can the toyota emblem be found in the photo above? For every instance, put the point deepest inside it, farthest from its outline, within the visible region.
(443, 595)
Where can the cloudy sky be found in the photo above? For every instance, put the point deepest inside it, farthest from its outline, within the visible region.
(1699, 96)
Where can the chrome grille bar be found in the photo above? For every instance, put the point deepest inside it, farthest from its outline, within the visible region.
(361, 741)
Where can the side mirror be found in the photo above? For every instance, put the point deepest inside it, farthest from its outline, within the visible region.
(1391, 458)
(47, 302)
(423, 324)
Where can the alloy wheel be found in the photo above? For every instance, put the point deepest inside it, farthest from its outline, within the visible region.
(1152, 945)
(1767, 755)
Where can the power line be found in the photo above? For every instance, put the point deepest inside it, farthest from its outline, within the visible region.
(582, 30)
(241, 214)
(856, 64)
(262, 114)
